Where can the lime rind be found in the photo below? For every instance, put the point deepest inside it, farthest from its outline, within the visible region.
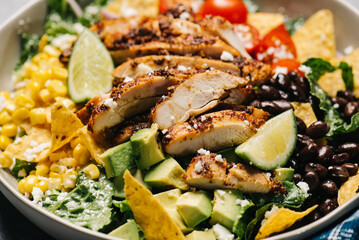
(90, 68)
(273, 144)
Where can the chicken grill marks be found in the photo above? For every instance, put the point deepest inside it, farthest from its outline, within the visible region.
(213, 131)
(212, 172)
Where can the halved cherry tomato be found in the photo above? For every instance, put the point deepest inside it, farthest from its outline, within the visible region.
(249, 36)
(164, 5)
(290, 64)
(277, 44)
(234, 11)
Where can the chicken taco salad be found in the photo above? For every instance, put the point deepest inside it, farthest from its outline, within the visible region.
(183, 119)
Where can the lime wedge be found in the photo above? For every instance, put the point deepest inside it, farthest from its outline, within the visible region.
(90, 68)
(273, 144)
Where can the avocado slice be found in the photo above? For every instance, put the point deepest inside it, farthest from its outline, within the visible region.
(228, 205)
(119, 182)
(128, 231)
(283, 174)
(201, 235)
(194, 207)
(117, 159)
(168, 200)
(166, 174)
(147, 148)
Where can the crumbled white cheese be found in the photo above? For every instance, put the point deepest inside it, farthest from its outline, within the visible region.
(268, 175)
(37, 195)
(305, 69)
(226, 56)
(168, 57)
(280, 70)
(70, 205)
(189, 127)
(219, 158)
(18, 140)
(2, 103)
(31, 153)
(221, 192)
(336, 105)
(22, 173)
(47, 200)
(164, 131)
(62, 196)
(304, 188)
(181, 68)
(270, 213)
(348, 49)
(203, 118)
(242, 202)
(21, 84)
(128, 79)
(202, 151)
(109, 102)
(222, 233)
(185, 16)
(78, 28)
(92, 10)
(42, 178)
(198, 167)
(64, 41)
(127, 11)
(195, 126)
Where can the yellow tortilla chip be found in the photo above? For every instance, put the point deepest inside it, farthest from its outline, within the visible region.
(121, 8)
(33, 147)
(281, 220)
(264, 22)
(349, 189)
(316, 37)
(332, 82)
(94, 148)
(305, 112)
(149, 213)
(353, 60)
(64, 125)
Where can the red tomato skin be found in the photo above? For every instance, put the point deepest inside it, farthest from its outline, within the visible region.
(234, 11)
(290, 64)
(163, 5)
(255, 38)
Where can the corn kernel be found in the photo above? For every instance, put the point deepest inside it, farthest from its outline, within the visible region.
(23, 101)
(30, 182)
(4, 142)
(43, 42)
(74, 142)
(59, 73)
(92, 171)
(9, 130)
(45, 96)
(10, 106)
(21, 186)
(57, 88)
(43, 185)
(37, 116)
(51, 51)
(55, 183)
(55, 167)
(4, 117)
(39, 57)
(29, 69)
(41, 75)
(55, 175)
(66, 102)
(5, 160)
(69, 179)
(5, 94)
(42, 170)
(56, 156)
(34, 88)
(81, 154)
(69, 162)
(20, 115)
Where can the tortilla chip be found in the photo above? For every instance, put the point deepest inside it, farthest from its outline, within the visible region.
(149, 213)
(264, 22)
(353, 60)
(332, 82)
(349, 189)
(147, 8)
(33, 147)
(305, 112)
(281, 220)
(64, 125)
(94, 148)
(316, 37)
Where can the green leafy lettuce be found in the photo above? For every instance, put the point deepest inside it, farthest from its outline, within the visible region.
(29, 48)
(22, 166)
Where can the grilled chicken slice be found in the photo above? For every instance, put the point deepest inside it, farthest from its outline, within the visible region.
(161, 35)
(194, 96)
(129, 99)
(210, 171)
(213, 131)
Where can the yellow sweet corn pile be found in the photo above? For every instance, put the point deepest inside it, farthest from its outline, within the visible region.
(40, 83)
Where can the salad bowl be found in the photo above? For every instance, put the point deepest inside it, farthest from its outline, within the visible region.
(31, 19)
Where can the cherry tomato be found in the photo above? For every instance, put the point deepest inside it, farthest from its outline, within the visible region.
(249, 36)
(290, 64)
(277, 44)
(164, 5)
(234, 11)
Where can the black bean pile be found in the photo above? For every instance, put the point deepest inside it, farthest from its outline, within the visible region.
(323, 166)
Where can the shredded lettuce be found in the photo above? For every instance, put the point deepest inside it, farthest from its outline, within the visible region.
(29, 48)
(22, 165)
(347, 75)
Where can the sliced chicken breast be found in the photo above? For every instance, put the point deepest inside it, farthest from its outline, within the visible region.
(196, 95)
(210, 171)
(213, 131)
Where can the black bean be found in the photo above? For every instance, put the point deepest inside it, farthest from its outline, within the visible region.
(283, 105)
(255, 103)
(348, 95)
(328, 205)
(325, 154)
(314, 102)
(341, 102)
(267, 92)
(296, 93)
(284, 95)
(292, 163)
(273, 81)
(349, 147)
(318, 129)
(301, 127)
(318, 168)
(312, 179)
(329, 188)
(303, 83)
(275, 107)
(314, 216)
(340, 158)
(282, 81)
(293, 76)
(350, 109)
(297, 177)
(309, 153)
(351, 168)
(303, 140)
(338, 174)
